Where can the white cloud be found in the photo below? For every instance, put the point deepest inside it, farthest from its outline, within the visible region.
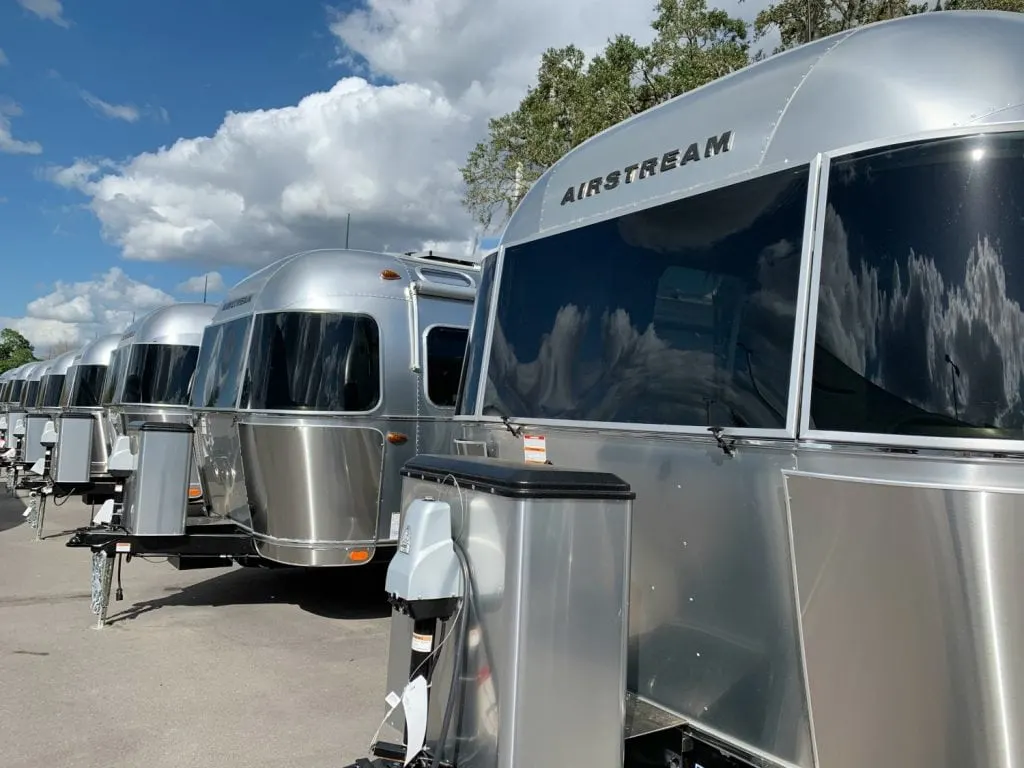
(8, 144)
(273, 181)
(126, 112)
(4, 61)
(211, 283)
(49, 10)
(73, 313)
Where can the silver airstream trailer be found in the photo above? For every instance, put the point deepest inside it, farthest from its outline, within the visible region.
(783, 310)
(40, 435)
(80, 455)
(9, 418)
(25, 389)
(151, 370)
(319, 376)
(156, 493)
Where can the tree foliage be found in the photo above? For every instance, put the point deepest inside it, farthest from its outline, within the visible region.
(15, 350)
(574, 99)
(800, 21)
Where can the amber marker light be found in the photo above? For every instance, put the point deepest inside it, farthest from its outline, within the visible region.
(359, 555)
(194, 492)
(389, 274)
(397, 438)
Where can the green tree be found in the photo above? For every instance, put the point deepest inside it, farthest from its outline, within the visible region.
(15, 350)
(800, 21)
(574, 100)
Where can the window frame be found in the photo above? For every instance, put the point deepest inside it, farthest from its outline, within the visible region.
(872, 439)
(425, 339)
(800, 326)
(42, 389)
(311, 414)
(242, 370)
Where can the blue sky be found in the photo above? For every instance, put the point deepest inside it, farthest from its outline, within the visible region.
(218, 135)
(182, 66)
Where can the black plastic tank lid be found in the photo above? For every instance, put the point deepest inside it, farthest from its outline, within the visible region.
(165, 426)
(517, 479)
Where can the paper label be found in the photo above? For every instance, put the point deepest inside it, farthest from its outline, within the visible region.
(422, 643)
(393, 699)
(396, 525)
(123, 546)
(414, 702)
(535, 449)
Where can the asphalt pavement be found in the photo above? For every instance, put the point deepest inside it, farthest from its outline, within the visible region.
(222, 667)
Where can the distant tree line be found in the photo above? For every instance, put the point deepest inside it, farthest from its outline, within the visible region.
(574, 99)
(15, 350)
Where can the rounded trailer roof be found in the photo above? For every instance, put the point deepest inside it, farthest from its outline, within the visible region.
(323, 280)
(97, 351)
(21, 372)
(180, 324)
(33, 371)
(60, 364)
(879, 83)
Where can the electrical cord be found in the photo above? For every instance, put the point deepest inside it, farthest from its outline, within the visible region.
(412, 676)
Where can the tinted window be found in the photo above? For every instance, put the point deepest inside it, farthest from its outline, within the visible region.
(16, 390)
(30, 393)
(49, 395)
(446, 348)
(920, 325)
(3, 391)
(683, 314)
(158, 374)
(220, 365)
(313, 361)
(87, 386)
(472, 362)
(114, 374)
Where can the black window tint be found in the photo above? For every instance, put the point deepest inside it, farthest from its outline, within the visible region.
(3, 391)
(683, 314)
(114, 374)
(315, 361)
(16, 390)
(920, 325)
(30, 393)
(158, 374)
(220, 365)
(87, 386)
(472, 362)
(49, 395)
(446, 348)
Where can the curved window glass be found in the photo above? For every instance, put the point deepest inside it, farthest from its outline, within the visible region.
(472, 362)
(30, 393)
(446, 348)
(219, 369)
(3, 391)
(114, 374)
(313, 361)
(158, 374)
(920, 321)
(683, 314)
(16, 389)
(50, 389)
(88, 386)
(69, 386)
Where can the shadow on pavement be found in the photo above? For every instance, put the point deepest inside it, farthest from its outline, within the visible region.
(11, 509)
(334, 593)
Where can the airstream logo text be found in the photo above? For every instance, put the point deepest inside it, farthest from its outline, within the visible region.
(127, 335)
(670, 160)
(236, 302)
